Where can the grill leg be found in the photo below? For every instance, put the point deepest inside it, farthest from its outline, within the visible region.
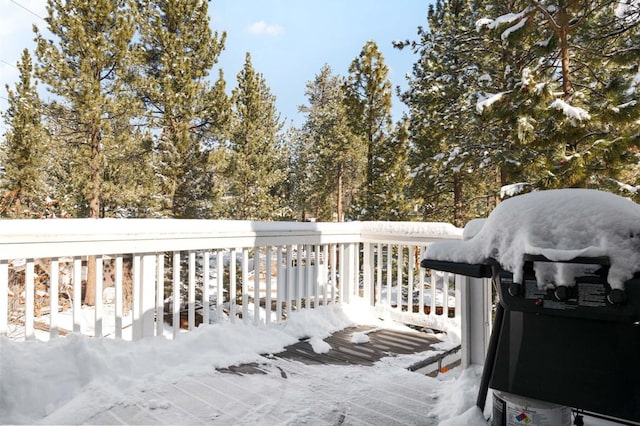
(490, 359)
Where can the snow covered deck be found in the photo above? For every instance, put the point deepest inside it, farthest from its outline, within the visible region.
(297, 386)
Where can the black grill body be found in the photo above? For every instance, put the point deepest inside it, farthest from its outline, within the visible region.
(577, 350)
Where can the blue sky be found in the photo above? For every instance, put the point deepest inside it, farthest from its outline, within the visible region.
(289, 40)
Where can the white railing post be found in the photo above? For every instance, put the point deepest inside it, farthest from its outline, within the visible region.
(4, 297)
(256, 285)
(245, 285)
(281, 283)
(299, 276)
(145, 272)
(334, 272)
(220, 284)
(389, 273)
(98, 308)
(136, 272)
(176, 299)
(379, 267)
(346, 282)
(232, 284)
(475, 316)
(54, 274)
(159, 294)
(148, 306)
(191, 294)
(288, 272)
(399, 266)
(29, 284)
(206, 262)
(367, 273)
(410, 273)
(118, 282)
(267, 277)
(421, 283)
(77, 293)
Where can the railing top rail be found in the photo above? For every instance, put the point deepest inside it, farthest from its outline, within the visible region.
(408, 232)
(76, 237)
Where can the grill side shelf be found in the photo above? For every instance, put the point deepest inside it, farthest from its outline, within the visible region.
(468, 269)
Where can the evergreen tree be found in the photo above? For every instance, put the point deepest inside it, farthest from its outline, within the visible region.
(255, 169)
(334, 153)
(176, 52)
(392, 189)
(299, 175)
(368, 99)
(84, 66)
(448, 153)
(23, 153)
(575, 93)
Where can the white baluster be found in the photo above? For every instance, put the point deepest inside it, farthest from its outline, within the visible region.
(54, 280)
(29, 284)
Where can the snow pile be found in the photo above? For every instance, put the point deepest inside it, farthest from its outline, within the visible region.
(38, 377)
(559, 224)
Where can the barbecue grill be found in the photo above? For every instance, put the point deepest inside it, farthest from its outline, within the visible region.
(577, 346)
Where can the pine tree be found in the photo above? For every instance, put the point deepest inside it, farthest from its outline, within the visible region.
(368, 99)
(300, 169)
(23, 153)
(256, 163)
(334, 151)
(573, 93)
(448, 155)
(392, 189)
(83, 67)
(176, 53)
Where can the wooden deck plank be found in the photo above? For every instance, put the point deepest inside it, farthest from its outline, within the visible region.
(382, 342)
(259, 393)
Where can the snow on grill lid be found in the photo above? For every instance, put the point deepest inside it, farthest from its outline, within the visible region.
(559, 224)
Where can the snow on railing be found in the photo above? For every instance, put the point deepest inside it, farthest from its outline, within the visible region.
(216, 270)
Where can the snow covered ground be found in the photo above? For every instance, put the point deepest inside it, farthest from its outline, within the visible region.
(78, 379)
(59, 381)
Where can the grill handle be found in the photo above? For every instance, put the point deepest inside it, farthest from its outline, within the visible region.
(476, 270)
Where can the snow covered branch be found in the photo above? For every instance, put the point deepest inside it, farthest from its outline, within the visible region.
(575, 113)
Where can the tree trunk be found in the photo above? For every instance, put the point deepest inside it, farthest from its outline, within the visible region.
(458, 216)
(94, 211)
(563, 34)
(340, 190)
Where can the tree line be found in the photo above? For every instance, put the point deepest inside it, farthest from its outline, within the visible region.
(542, 95)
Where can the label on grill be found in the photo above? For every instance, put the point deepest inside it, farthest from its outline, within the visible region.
(592, 295)
(554, 304)
(531, 290)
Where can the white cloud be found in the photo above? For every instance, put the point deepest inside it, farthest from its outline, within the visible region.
(262, 28)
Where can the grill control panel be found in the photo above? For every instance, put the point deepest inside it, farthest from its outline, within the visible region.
(587, 298)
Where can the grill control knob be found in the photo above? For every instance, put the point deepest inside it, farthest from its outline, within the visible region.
(617, 297)
(561, 293)
(515, 289)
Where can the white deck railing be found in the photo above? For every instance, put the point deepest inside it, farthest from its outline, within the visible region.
(253, 271)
